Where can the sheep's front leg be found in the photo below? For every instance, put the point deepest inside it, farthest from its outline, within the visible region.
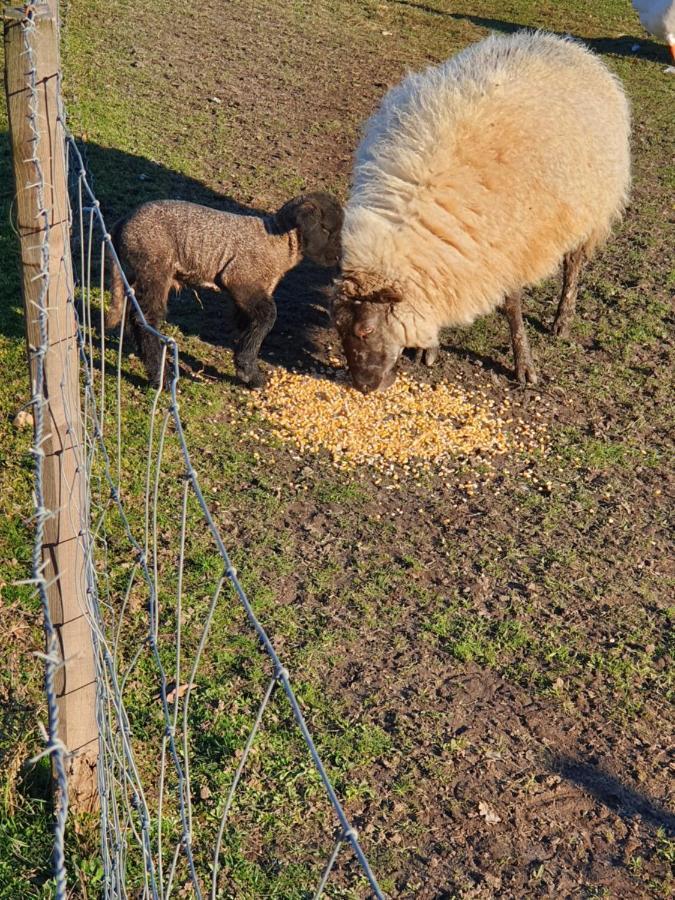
(570, 289)
(428, 355)
(262, 314)
(525, 370)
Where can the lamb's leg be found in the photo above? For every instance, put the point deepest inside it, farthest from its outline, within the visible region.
(152, 298)
(525, 370)
(262, 314)
(568, 298)
(241, 319)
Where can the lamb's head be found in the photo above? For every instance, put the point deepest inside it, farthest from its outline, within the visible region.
(318, 219)
(372, 334)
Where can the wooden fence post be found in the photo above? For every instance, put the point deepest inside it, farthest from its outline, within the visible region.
(63, 472)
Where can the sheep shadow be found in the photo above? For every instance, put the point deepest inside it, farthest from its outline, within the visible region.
(626, 802)
(294, 341)
(122, 181)
(483, 361)
(620, 46)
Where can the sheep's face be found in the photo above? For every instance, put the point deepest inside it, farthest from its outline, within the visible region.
(318, 218)
(371, 334)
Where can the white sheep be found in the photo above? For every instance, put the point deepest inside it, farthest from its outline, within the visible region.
(473, 180)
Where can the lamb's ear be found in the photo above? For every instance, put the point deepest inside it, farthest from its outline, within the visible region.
(285, 216)
(332, 211)
(308, 218)
(300, 212)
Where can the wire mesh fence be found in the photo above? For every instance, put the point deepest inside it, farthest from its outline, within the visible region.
(179, 728)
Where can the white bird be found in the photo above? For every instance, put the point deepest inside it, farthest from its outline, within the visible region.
(658, 18)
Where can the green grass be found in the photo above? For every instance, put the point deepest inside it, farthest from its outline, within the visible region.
(558, 593)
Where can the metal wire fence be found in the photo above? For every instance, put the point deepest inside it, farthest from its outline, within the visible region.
(158, 575)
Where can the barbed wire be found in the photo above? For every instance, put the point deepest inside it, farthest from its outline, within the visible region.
(129, 824)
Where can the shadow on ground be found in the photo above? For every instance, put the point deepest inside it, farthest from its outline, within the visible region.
(621, 46)
(121, 181)
(612, 793)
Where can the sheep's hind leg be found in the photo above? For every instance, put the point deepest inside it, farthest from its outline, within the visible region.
(568, 298)
(262, 314)
(522, 355)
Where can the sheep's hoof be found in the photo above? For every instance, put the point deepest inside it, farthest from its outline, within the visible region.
(430, 356)
(526, 372)
(561, 329)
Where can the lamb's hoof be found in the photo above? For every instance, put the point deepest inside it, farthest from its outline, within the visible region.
(156, 384)
(254, 380)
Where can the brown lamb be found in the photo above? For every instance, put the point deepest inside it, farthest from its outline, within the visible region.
(170, 244)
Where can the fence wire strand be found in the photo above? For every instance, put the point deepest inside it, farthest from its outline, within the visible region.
(135, 814)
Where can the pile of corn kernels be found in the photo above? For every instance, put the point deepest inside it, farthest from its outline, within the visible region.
(410, 429)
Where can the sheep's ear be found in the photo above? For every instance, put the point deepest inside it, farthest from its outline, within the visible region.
(347, 287)
(340, 302)
(385, 295)
(352, 289)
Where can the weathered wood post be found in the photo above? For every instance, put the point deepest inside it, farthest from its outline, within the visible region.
(33, 104)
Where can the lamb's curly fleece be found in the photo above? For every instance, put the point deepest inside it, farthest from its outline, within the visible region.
(475, 177)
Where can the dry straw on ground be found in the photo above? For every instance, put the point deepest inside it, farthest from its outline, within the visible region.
(411, 428)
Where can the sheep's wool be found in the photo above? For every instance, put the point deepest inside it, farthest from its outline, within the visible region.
(475, 177)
